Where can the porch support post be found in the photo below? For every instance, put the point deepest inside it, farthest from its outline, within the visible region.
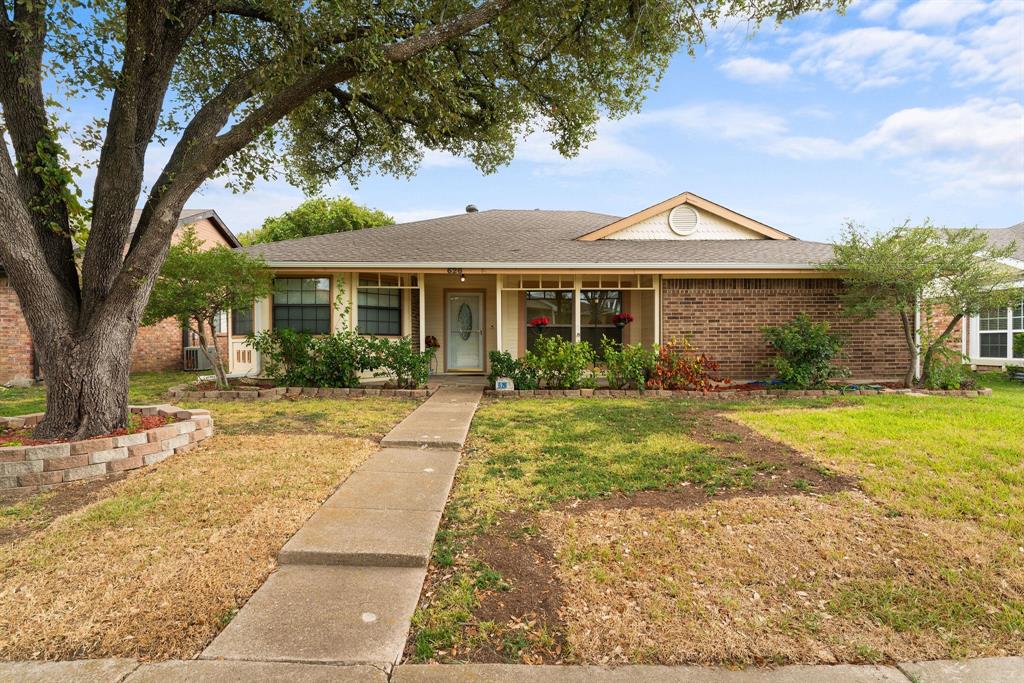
(421, 293)
(576, 308)
(497, 313)
(352, 280)
(657, 309)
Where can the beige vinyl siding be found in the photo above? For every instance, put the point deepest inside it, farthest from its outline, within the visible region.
(510, 322)
(436, 284)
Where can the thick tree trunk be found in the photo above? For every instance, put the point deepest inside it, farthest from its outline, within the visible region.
(86, 382)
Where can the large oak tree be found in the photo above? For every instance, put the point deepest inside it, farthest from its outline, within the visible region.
(311, 89)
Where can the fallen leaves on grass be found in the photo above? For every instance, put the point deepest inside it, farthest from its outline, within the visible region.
(785, 579)
(157, 567)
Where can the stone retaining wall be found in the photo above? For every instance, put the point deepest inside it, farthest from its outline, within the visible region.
(33, 468)
(276, 393)
(720, 395)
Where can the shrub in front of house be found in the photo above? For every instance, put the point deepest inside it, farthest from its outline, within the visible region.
(805, 352)
(338, 360)
(679, 367)
(628, 366)
(399, 360)
(562, 364)
(522, 374)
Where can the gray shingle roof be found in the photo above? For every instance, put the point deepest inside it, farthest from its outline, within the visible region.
(529, 238)
(1003, 236)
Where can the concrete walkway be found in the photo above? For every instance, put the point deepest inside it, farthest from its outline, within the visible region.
(350, 578)
(991, 670)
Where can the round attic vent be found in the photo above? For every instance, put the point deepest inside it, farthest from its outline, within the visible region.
(683, 220)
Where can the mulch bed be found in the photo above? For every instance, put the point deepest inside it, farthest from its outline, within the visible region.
(22, 436)
(527, 561)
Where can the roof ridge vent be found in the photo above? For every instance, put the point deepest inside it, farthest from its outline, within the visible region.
(471, 208)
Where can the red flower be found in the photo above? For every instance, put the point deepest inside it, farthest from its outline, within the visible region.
(623, 318)
(542, 321)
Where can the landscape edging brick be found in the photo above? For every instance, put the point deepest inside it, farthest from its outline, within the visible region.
(277, 393)
(46, 466)
(723, 395)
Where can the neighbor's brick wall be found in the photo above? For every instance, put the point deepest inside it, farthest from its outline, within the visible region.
(157, 347)
(724, 317)
(15, 341)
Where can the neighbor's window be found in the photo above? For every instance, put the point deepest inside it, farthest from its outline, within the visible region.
(241, 321)
(303, 304)
(380, 310)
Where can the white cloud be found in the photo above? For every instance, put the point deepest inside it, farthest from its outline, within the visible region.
(874, 57)
(877, 11)
(995, 53)
(756, 70)
(978, 145)
(939, 13)
(610, 151)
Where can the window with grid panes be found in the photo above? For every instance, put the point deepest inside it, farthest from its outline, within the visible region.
(302, 304)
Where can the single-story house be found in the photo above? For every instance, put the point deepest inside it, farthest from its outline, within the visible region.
(686, 267)
(158, 347)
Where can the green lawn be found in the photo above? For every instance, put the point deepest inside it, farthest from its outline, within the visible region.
(524, 457)
(923, 561)
(144, 387)
(933, 456)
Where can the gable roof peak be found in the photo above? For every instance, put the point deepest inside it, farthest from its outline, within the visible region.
(695, 201)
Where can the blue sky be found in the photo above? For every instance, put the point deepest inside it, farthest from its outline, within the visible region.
(895, 111)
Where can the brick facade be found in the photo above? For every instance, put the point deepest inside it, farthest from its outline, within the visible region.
(724, 317)
(15, 340)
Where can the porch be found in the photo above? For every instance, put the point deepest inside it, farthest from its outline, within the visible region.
(464, 314)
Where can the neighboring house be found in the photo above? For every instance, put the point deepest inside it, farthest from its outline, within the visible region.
(158, 347)
(686, 267)
(987, 339)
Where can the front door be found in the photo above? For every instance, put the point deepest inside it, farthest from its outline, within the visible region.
(465, 332)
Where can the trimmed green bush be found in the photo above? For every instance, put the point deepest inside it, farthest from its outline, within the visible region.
(805, 351)
(562, 364)
(337, 360)
(628, 365)
(522, 374)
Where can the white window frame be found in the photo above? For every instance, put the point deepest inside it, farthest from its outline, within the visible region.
(1010, 331)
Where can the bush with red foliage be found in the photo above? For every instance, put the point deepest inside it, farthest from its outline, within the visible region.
(680, 367)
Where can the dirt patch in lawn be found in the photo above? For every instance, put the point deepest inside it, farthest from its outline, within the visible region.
(531, 604)
(22, 514)
(780, 471)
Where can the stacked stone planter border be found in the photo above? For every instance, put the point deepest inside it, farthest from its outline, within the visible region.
(34, 468)
(722, 395)
(277, 393)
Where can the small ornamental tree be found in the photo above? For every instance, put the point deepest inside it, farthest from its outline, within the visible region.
(317, 216)
(897, 271)
(196, 285)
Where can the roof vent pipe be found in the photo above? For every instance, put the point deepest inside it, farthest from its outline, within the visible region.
(471, 208)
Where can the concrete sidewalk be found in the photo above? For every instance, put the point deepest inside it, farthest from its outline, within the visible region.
(350, 578)
(991, 670)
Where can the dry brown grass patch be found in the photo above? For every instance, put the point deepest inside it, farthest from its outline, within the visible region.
(785, 579)
(157, 567)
